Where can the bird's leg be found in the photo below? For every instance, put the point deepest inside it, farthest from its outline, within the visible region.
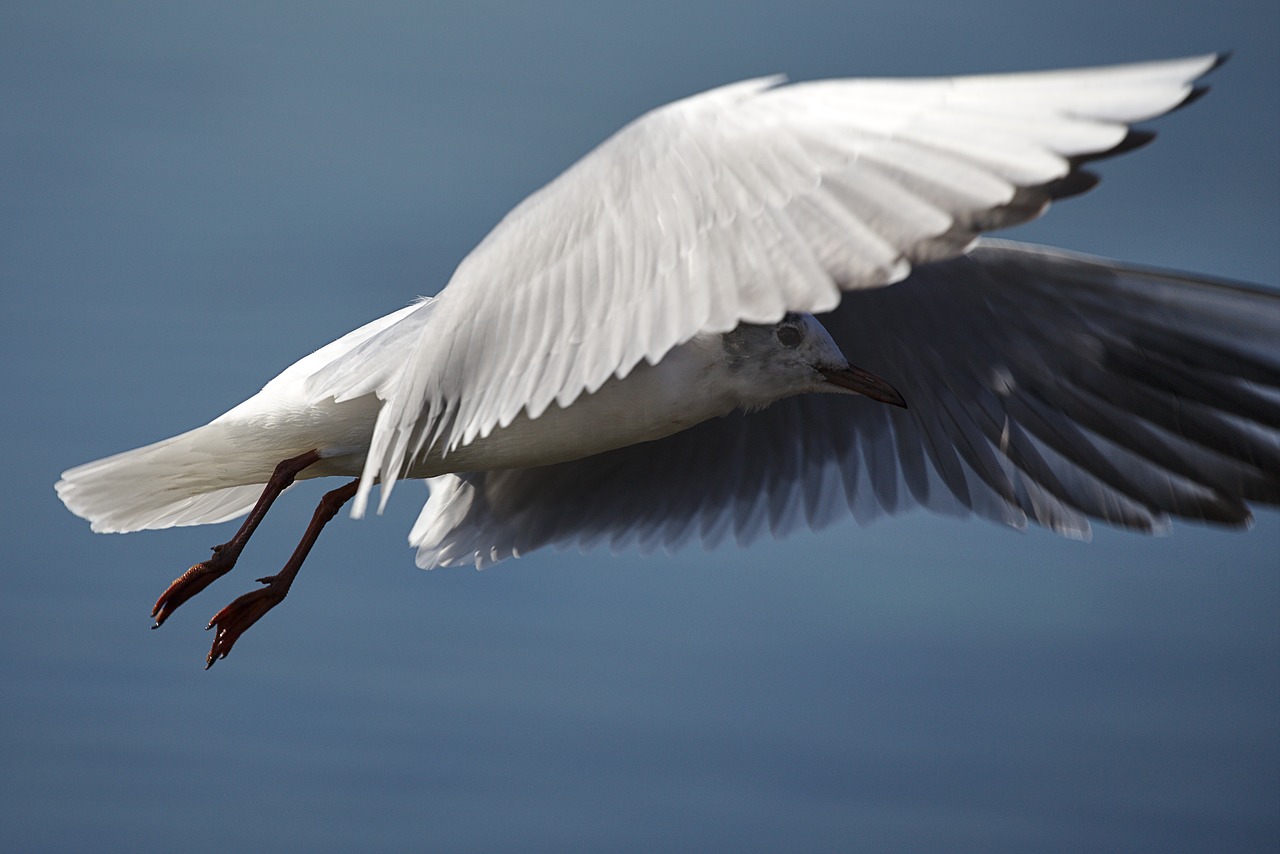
(233, 620)
(224, 557)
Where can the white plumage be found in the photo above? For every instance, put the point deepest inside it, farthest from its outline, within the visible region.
(737, 205)
(574, 382)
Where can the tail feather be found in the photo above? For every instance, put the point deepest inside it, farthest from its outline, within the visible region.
(216, 472)
(184, 480)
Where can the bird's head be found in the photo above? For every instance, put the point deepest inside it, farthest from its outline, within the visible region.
(794, 356)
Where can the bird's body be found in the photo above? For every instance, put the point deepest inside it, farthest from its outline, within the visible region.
(692, 384)
(633, 351)
(697, 381)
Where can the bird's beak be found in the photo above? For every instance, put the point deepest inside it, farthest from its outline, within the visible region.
(864, 383)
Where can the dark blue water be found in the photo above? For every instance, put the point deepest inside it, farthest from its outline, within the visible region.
(194, 196)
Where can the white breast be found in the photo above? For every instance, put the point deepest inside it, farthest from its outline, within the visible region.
(653, 401)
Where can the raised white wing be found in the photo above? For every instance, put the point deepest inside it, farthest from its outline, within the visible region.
(1041, 386)
(740, 204)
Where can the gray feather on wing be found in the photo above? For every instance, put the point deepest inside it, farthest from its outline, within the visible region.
(1042, 386)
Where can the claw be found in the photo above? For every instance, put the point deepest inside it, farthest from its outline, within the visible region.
(201, 575)
(190, 583)
(235, 619)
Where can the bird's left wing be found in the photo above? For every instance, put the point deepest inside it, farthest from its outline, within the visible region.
(1041, 386)
(737, 205)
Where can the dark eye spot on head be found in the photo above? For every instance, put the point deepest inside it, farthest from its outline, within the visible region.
(788, 336)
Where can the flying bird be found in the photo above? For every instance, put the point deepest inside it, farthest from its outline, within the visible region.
(762, 307)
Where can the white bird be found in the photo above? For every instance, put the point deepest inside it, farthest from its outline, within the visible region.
(630, 355)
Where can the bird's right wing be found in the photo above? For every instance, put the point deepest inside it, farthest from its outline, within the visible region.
(738, 205)
(1041, 385)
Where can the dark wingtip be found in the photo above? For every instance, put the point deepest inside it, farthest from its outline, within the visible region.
(1196, 93)
(1135, 138)
(1072, 184)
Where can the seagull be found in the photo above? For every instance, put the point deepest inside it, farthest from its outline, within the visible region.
(764, 307)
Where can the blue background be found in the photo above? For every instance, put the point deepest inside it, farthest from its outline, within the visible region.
(194, 195)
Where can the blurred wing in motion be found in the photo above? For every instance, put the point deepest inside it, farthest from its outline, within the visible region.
(1042, 386)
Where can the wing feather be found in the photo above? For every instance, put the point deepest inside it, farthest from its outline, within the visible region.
(748, 201)
(1042, 386)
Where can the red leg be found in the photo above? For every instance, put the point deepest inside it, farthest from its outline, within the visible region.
(224, 557)
(233, 620)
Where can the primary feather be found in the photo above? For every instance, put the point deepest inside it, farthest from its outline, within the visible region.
(1043, 386)
(738, 205)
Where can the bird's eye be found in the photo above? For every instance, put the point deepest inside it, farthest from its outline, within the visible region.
(788, 336)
